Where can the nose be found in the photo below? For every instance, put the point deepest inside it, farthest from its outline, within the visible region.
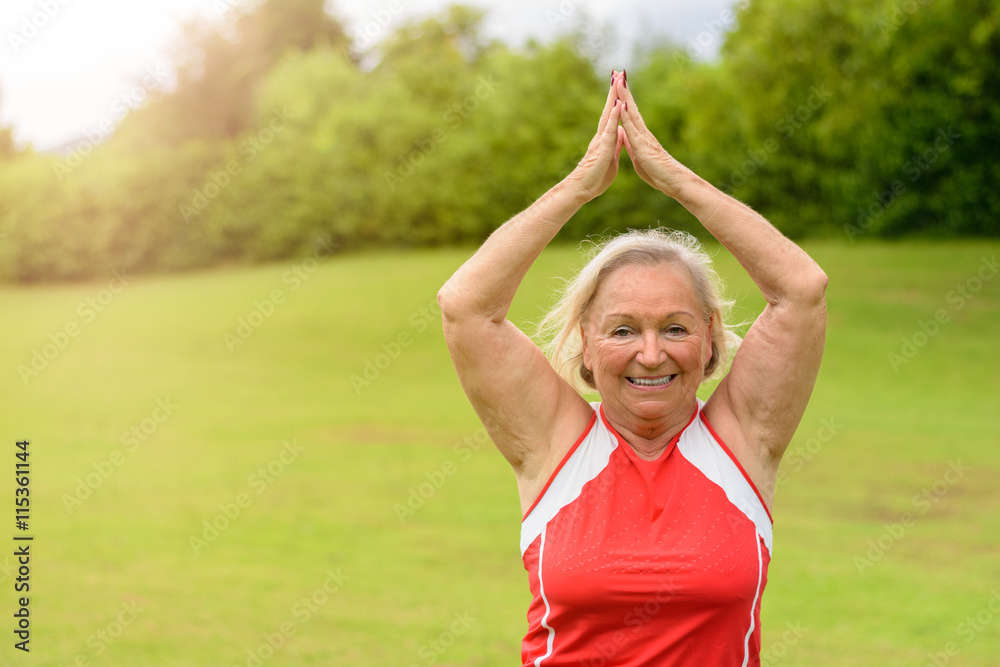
(651, 353)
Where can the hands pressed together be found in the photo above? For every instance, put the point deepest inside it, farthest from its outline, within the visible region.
(598, 168)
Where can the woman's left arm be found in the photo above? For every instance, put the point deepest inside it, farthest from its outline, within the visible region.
(758, 405)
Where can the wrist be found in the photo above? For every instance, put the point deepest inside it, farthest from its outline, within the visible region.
(702, 199)
(571, 192)
(688, 188)
(555, 207)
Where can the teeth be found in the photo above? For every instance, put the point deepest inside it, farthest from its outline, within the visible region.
(646, 382)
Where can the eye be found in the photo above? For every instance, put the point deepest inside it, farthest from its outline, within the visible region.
(620, 332)
(676, 330)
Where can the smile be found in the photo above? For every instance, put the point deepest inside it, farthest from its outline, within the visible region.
(661, 381)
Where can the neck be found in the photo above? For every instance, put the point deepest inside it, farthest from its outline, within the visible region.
(649, 436)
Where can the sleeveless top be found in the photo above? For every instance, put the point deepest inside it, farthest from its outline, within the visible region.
(646, 563)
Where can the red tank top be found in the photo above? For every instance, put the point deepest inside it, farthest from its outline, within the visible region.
(646, 563)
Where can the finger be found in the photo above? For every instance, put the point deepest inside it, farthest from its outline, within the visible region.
(628, 146)
(625, 95)
(635, 165)
(639, 137)
(602, 149)
(610, 135)
(632, 131)
(608, 104)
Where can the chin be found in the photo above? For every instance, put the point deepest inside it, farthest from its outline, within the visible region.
(651, 408)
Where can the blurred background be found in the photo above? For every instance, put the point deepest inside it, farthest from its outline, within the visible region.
(223, 224)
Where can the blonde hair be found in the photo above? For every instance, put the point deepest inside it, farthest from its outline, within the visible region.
(559, 330)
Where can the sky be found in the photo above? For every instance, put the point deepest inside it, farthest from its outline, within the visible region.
(70, 68)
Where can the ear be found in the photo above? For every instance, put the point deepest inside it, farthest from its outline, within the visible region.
(706, 353)
(583, 346)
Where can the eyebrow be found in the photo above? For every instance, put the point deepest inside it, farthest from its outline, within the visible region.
(629, 316)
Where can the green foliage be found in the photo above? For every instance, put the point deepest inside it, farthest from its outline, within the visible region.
(884, 112)
(862, 119)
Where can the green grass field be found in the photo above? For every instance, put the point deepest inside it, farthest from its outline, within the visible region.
(887, 534)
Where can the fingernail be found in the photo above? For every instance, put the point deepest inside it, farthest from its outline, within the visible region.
(612, 76)
(625, 78)
(615, 104)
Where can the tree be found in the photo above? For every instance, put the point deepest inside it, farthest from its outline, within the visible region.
(219, 67)
(857, 95)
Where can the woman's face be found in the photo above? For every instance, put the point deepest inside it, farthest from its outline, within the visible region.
(647, 343)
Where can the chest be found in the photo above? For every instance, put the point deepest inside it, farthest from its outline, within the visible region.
(651, 528)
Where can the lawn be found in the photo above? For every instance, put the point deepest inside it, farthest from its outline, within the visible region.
(310, 486)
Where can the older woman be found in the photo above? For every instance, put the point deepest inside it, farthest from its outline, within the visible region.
(647, 528)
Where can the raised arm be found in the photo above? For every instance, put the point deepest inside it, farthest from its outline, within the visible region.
(530, 412)
(758, 405)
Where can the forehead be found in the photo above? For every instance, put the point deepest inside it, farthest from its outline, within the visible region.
(646, 291)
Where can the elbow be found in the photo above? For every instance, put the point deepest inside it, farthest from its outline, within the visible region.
(450, 306)
(449, 317)
(812, 287)
(806, 290)
(453, 307)
(817, 283)
(461, 324)
(445, 303)
(457, 307)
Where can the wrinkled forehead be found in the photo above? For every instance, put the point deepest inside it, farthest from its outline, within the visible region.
(645, 291)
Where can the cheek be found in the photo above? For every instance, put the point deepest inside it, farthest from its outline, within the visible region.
(612, 357)
(690, 355)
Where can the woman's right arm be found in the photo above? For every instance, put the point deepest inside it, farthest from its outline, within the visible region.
(524, 404)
